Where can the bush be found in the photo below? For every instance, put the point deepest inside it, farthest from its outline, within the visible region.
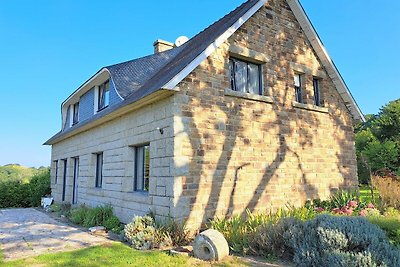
(141, 233)
(39, 187)
(79, 214)
(238, 230)
(268, 240)
(113, 224)
(174, 230)
(340, 241)
(18, 194)
(97, 216)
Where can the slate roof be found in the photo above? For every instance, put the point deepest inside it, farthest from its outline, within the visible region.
(130, 76)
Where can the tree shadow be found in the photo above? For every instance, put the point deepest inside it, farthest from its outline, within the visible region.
(223, 132)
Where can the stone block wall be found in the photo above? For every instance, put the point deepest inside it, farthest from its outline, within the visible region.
(115, 139)
(260, 153)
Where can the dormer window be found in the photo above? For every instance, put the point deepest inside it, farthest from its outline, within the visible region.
(245, 76)
(104, 95)
(75, 113)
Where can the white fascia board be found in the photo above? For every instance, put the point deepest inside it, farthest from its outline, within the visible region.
(79, 90)
(212, 47)
(322, 53)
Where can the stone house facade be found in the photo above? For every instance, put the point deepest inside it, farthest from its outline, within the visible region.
(251, 114)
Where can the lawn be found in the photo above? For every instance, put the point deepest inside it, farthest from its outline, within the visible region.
(116, 254)
(366, 195)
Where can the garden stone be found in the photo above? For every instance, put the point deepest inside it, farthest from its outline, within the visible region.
(210, 245)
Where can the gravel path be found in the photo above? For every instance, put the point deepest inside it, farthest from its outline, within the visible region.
(27, 232)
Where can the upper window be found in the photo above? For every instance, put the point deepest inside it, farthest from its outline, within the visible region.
(298, 88)
(99, 170)
(142, 168)
(317, 92)
(245, 76)
(104, 95)
(75, 113)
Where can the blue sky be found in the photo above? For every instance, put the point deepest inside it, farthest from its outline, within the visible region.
(49, 48)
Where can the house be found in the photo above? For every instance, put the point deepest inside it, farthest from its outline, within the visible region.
(251, 113)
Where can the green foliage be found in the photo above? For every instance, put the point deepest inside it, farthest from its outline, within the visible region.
(98, 216)
(387, 123)
(145, 233)
(238, 230)
(391, 225)
(342, 197)
(39, 186)
(268, 239)
(19, 194)
(378, 142)
(340, 241)
(113, 224)
(78, 214)
(173, 229)
(382, 155)
(16, 172)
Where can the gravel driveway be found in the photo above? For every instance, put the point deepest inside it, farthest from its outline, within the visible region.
(27, 232)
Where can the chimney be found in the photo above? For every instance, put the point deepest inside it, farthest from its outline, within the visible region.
(161, 46)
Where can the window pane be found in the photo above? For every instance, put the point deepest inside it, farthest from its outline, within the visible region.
(317, 97)
(106, 98)
(297, 80)
(139, 168)
(146, 168)
(232, 73)
(76, 113)
(241, 76)
(99, 170)
(254, 79)
(101, 96)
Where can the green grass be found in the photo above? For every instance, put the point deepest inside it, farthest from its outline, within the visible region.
(391, 225)
(366, 195)
(115, 254)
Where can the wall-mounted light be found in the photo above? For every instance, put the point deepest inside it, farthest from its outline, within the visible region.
(161, 130)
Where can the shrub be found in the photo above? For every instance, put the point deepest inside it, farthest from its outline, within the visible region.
(174, 230)
(39, 187)
(238, 230)
(79, 214)
(141, 233)
(97, 216)
(268, 240)
(389, 191)
(340, 241)
(18, 194)
(113, 224)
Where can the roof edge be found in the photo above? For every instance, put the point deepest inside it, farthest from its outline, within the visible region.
(326, 60)
(213, 46)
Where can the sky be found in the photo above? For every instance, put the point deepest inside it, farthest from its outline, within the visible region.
(49, 48)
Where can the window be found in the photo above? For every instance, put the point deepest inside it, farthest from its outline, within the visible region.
(298, 88)
(99, 170)
(142, 168)
(75, 113)
(75, 183)
(317, 93)
(104, 95)
(55, 171)
(64, 179)
(245, 76)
